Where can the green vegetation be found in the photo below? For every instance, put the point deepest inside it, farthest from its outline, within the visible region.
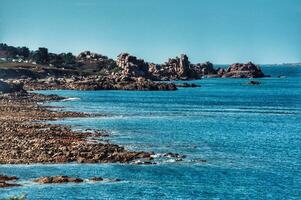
(40, 56)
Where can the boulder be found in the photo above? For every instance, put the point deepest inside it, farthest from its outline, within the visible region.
(247, 70)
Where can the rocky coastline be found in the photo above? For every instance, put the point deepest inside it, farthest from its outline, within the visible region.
(26, 139)
(42, 70)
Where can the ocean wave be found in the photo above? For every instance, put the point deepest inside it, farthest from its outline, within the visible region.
(71, 99)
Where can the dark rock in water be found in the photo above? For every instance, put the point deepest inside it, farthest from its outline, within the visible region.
(96, 179)
(173, 155)
(253, 83)
(239, 70)
(187, 85)
(7, 178)
(6, 185)
(4, 178)
(115, 180)
(99, 179)
(57, 179)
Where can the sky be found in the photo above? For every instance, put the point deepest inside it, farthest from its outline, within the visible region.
(220, 31)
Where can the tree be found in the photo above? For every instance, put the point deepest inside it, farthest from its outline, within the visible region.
(68, 58)
(23, 51)
(41, 56)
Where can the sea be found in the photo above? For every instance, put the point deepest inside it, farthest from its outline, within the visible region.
(240, 141)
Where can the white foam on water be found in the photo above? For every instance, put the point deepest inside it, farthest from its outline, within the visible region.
(71, 99)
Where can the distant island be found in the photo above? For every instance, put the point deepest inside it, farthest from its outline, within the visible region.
(40, 70)
(287, 64)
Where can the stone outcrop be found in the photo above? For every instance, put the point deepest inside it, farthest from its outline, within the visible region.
(239, 70)
(132, 66)
(203, 69)
(174, 69)
(10, 88)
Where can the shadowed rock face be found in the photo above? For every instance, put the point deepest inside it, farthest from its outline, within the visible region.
(10, 88)
(239, 70)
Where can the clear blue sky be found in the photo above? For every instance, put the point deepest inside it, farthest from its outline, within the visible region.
(221, 31)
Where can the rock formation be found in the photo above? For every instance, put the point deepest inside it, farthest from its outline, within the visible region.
(132, 66)
(203, 69)
(173, 69)
(239, 70)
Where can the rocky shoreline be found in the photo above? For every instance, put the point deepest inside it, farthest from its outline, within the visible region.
(42, 70)
(26, 139)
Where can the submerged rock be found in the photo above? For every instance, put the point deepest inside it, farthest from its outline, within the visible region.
(253, 83)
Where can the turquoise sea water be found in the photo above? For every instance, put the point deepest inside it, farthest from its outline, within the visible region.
(250, 137)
